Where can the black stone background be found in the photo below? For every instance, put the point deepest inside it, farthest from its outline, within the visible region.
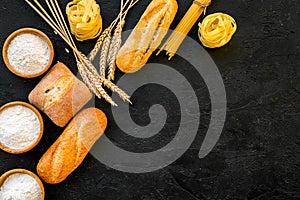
(257, 156)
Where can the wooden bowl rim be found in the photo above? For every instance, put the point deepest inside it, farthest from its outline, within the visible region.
(23, 171)
(32, 31)
(19, 151)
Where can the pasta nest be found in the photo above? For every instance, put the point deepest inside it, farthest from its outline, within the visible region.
(84, 19)
(216, 30)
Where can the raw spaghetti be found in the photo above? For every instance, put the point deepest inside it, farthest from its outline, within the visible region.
(84, 19)
(216, 30)
(189, 19)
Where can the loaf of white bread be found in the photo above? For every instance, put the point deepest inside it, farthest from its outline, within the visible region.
(72, 146)
(146, 35)
(60, 95)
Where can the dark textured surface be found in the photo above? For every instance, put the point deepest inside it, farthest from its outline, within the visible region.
(257, 156)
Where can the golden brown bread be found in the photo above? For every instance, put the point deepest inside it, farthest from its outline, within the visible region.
(146, 35)
(72, 146)
(60, 95)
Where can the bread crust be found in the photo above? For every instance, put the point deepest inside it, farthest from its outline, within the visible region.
(60, 95)
(72, 146)
(146, 35)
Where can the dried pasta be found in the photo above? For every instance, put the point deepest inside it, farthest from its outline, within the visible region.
(84, 19)
(189, 19)
(216, 30)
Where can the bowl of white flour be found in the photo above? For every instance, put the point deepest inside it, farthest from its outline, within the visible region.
(21, 184)
(21, 127)
(28, 52)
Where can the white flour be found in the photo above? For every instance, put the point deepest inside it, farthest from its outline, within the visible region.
(20, 186)
(19, 127)
(28, 53)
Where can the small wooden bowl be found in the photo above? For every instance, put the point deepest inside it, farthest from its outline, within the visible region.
(14, 151)
(31, 31)
(23, 171)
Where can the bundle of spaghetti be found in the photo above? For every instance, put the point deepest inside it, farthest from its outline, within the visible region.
(84, 19)
(216, 30)
(176, 38)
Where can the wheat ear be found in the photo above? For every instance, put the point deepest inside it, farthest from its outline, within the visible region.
(116, 42)
(97, 46)
(98, 80)
(114, 49)
(116, 89)
(103, 55)
(94, 78)
(87, 81)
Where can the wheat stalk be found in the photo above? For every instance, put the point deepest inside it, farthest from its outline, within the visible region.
(116, 43)
(103, 36)
(86, 69)
(123, 12)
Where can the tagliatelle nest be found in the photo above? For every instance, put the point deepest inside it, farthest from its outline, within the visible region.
(216, 30)
(84, 19)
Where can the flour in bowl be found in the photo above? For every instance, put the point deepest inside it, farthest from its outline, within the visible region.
(28, 53)
(19, 127)
(20, 186)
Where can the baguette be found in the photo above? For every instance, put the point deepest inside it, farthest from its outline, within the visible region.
(72, 146)
(146, 35)
(60, 95)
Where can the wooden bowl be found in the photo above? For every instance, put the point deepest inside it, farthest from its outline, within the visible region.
(23, 171)
(19, 151)
(31, 31)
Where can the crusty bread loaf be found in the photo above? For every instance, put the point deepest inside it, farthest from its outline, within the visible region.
(60, 95)
(72, 146)
(146, 35)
